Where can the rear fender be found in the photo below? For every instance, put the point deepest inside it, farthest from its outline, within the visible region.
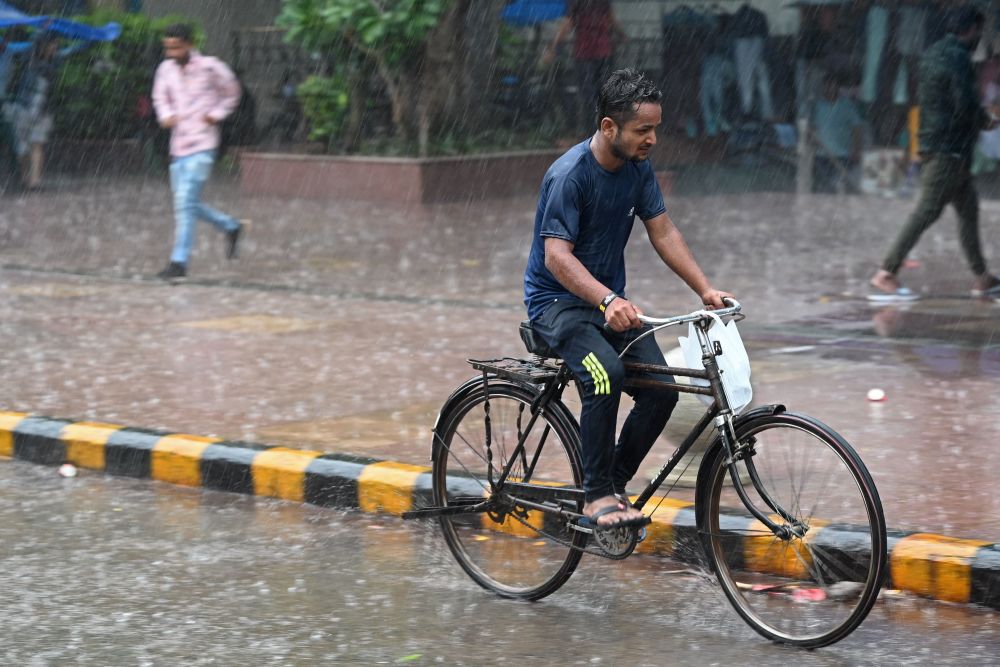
(461, 392)
(556, 408)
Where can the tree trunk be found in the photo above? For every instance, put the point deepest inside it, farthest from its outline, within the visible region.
(482, 37)
(395, 86)
(439, 88)
(444, 88)
(423, 129)
(356, 110)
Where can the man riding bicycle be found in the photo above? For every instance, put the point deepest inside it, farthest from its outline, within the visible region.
(574, 285)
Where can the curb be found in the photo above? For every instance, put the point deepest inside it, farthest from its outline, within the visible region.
(934, 566)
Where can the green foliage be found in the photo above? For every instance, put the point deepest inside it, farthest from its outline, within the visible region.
(306, 25)
(325, 103)
(98, 89)
(394, 29)
(511, 48)
(358, 38)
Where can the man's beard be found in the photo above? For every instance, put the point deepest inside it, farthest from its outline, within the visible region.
(618, 150)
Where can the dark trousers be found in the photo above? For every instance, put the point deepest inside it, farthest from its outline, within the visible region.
(576, 332)
(8, 156)
(590, 75)
(834, 175)
(945, 179)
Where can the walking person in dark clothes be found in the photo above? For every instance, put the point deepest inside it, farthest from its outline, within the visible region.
(574, 284)
(596, 31)
(951, 118)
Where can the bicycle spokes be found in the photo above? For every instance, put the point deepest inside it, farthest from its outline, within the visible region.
(794, 531)
(522, 545)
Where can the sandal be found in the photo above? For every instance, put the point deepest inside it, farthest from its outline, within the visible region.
(591, 521)
(627, 502)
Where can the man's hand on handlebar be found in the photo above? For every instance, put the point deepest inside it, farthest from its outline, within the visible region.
(622, 314)
(713, 298)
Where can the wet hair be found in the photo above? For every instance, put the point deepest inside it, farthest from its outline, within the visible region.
(181, 31)
(964, 19)
(622, 94)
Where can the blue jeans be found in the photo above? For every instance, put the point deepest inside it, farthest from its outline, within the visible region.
(188, 176)
(714, 76)
(576, 332)
(751, 75)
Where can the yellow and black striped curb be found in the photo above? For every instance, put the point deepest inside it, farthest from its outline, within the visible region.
(331, 480)
(935, 566)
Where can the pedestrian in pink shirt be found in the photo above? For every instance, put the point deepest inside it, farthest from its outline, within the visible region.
(192, 95)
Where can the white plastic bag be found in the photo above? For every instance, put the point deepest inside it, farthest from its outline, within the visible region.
(734, 364)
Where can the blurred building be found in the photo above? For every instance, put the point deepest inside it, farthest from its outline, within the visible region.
(873, 44)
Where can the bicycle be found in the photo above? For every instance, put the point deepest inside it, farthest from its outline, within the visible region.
(785, 510)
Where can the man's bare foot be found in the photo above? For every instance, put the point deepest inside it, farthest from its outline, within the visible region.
(607, 519)
(884, 281)
(888, 290)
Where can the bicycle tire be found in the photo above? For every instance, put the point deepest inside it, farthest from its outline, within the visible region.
(807, 591)
(500, 552)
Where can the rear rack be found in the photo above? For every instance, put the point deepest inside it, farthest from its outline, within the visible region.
(532, 371)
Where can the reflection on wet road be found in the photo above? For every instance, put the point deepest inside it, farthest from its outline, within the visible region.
(110, 571)
(345, 325)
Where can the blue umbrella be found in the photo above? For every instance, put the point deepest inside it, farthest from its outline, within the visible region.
(12, 17)
(533, 12)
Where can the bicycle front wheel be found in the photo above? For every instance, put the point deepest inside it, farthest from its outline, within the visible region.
(814, 584)
(514, 551)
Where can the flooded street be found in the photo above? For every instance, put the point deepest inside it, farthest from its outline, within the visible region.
(258, 259)
(108, 571)
(344, 326)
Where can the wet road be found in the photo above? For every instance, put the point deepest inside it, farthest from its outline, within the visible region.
(344, 326)
(109, 571)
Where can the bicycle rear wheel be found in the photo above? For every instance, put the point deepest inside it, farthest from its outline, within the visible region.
(814, 586)
(513, 551)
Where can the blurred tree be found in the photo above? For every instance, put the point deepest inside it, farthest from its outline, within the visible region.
(419, 50)
(325, 102)
(99, 93)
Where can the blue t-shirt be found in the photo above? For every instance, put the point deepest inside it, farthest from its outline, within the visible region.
(593, 208)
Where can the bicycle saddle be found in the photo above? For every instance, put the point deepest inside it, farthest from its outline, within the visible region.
(534, 343)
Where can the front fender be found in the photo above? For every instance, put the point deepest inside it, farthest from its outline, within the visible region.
(715, 448)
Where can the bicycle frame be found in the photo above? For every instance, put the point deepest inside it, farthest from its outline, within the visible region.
(760, 552)
(718, 412)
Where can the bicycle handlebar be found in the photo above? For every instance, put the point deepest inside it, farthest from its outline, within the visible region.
(657, 323)
(733, 309)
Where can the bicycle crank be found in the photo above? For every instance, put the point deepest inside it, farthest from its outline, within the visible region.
(617, 543)
(613, 544)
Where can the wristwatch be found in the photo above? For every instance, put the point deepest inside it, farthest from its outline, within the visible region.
(607, 301)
